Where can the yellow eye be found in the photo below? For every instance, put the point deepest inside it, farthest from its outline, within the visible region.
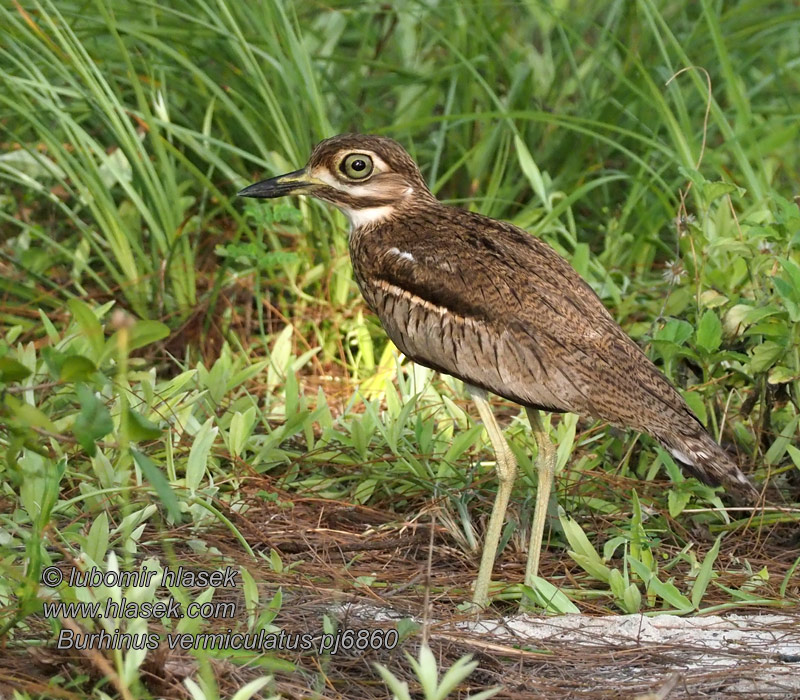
(356, 166)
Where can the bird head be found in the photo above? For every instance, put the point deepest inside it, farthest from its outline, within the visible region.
(369, 178)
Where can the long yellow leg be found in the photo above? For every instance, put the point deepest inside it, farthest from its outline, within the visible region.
(545, 470)
(506, 473)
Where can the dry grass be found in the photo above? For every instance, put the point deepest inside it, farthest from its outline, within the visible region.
(328, 550)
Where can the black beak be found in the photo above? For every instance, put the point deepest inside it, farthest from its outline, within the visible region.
(279, 186)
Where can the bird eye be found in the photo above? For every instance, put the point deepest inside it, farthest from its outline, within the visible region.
(356, 166)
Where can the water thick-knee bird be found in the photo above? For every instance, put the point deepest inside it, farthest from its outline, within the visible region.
(493, 305)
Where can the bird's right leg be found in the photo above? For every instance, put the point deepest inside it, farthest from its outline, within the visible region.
(545, 469)
(506, 473)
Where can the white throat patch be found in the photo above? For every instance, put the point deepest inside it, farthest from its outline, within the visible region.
(368, 215)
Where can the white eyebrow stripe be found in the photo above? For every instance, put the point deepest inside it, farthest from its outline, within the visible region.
(402, 254)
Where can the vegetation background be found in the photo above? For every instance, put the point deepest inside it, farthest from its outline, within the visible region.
(191, 379)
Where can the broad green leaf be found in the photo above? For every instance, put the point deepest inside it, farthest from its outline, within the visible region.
(711, 299)
(778, 448)
(426, 671)
(93, 421)
(52, 333)
(632, 599)
(670, 594)
(198, 455)
(35, 165)
(545, 595)
(792, 270)
(705, 573)
(159, 482)
(794, 453)
(675, 331)
(582, 551)
(790, 297)
(239, 430)
(709, 331)
(140, 428)
(97, 541)
(640, 569)
(696, 403)
(76, 368)
(29, 416)
(89, 325)
(531, 171)
(275, 561)
(12, 371)
(398, 688)
(715, 190)
(677, 500)
(250, 689)
(146, 332)
(279, 358)
(364, 490)
(765, 355)
(616, 583)
(591, 566)
(781, 375)
(53, 359)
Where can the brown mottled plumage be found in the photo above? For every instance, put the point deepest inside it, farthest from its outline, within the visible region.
(491, 304)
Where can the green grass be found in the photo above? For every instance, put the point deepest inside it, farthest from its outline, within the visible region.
(187, 378)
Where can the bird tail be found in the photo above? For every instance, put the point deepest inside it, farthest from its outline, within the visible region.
(705, 459)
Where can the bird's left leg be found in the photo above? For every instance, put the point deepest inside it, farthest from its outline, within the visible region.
(506, 473)
(545, 470)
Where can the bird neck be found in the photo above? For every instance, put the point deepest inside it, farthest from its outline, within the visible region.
(413, 199)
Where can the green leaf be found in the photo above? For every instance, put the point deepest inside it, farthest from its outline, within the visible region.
(715, 190)
(12, 371)
(792, 270)
(677, 500)
(364, 490)
(146, 332)
(97, 541)
(547, 596)
(240, 429)
(790, 295)
(53, 359)
(674, 330)
(89, 325)
(781, 375)
(696, 403)
(140, 428)
(794, 453)
(275, 562)
(531, 171)
(765, 355)
(704, 575)
(159, 482)
(632, 599)
(789, 290)
(198, 455)
(29, 416)
(709, 331)
(582, 551)
(250, 689)
(670, 594)
(93, 421)
(76, 368)
(398, 688)
(778, 448)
